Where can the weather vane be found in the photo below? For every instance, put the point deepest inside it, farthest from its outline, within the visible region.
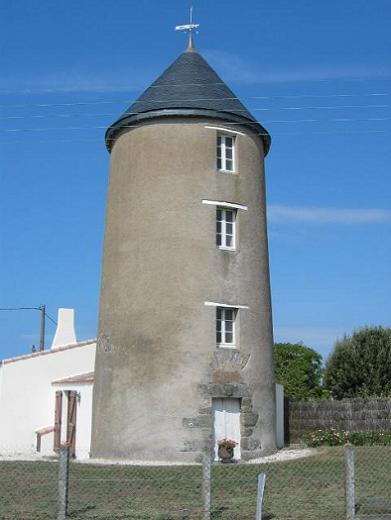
(190, 28)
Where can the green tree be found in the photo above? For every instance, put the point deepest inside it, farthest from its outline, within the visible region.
(360, 365)
(299, 369)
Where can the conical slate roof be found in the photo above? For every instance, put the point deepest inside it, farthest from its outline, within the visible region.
(189, 87)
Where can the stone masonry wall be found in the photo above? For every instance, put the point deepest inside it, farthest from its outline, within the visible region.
(354, 415)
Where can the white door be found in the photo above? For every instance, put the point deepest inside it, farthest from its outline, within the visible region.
(226, 422)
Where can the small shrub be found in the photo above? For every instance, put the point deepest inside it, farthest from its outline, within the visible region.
(333, 437)
(329, 437)
(370, 438)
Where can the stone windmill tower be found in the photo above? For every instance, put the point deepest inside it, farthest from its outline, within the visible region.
(185, 329)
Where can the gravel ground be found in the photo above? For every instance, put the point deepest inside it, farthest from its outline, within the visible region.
(281, 455)
(285, 454)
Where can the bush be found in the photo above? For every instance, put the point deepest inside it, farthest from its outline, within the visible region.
(299, 369)
(370, 438)
(360, 365)
(329, 437)
(332, 437)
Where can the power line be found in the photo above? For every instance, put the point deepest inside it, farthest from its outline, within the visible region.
(272, 121)
(275, 133)
(28, 309)
(20, 309)
(171, 85)
(50, 318)
(44, 315)
(266, 109)
(109, 102)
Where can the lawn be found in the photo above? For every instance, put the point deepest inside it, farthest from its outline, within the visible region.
(305, 489)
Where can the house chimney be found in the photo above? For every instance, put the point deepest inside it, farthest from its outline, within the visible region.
(65, 332)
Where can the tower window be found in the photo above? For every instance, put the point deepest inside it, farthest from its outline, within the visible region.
(225, 153)
(225, 228)
(225, 326)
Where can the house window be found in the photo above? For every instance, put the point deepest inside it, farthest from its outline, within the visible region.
(225, 153)
(225, 326)
(225, 228)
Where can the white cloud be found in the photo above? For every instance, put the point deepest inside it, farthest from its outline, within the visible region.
(79, 81)
(233, 68)
(281, 213)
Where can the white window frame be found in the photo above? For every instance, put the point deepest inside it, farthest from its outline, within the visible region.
(226, 305)
(224, 204)
(224, 222)
(222, 312)
(221, 152)
(222, 130)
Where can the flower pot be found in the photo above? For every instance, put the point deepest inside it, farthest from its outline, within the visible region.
(225, 454)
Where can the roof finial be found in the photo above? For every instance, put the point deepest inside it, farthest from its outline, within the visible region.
(189, 27)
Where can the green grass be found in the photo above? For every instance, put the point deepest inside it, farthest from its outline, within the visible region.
(306, 489)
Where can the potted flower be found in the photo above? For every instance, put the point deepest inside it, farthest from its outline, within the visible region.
(226, 449)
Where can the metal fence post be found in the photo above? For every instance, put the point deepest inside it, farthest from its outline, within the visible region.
(260, 492)
(63, 481)
(206, 484)
(349, 482)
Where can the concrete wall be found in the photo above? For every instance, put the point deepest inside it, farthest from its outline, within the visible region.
(157, 365)
(354, 415)
(27, 396)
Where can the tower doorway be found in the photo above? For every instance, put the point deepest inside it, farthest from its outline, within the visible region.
(226, 422)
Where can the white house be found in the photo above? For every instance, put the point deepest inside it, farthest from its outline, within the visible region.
(46, 397)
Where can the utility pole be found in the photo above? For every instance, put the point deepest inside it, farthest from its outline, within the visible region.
(42, 309)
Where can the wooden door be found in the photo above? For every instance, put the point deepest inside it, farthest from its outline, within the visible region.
(71, 422)
(226, 422)
(57, 421)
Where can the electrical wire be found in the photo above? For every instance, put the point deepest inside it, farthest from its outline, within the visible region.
(165, 85)
(50, 318)
(28, 309)
(20, 309)
(275, 134)
(118, 101)
(271, 121)
(266, 109)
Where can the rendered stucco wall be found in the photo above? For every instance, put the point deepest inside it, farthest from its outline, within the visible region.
(27, 396)
(157, 365)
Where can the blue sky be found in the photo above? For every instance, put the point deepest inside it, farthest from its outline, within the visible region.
(316, 74)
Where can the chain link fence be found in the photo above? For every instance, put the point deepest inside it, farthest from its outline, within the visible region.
(373, 481)
(308, 488)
